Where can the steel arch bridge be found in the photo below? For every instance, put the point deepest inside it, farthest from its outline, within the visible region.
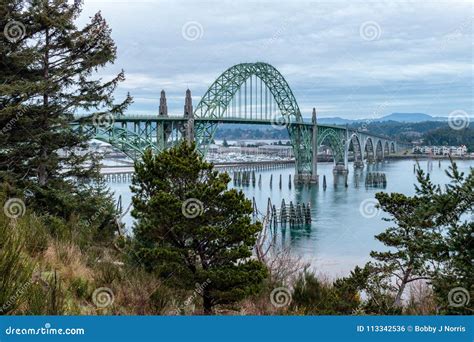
(246, 93)
(228, 86)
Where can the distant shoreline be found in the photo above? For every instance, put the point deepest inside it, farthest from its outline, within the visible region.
(424, 157)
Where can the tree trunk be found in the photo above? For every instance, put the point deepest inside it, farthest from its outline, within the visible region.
(398, 297)
(207, 302)
(42, 171)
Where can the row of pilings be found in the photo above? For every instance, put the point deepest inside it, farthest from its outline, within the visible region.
(292, 215)
(429, 165)
(376, 179)
(247, 178)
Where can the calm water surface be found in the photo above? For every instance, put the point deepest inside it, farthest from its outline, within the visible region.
(340, 236)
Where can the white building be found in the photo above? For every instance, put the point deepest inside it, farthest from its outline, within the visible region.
(458, 151)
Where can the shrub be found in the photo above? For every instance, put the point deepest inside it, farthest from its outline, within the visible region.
(15, 268)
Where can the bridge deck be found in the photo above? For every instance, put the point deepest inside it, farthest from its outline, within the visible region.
(136, 118)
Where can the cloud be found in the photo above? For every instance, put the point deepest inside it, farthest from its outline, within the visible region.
(422, 50)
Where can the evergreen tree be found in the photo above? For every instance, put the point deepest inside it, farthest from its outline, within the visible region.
(452, 248)
(432, 239)
(47, 74)
(406, 259)
(191, 228)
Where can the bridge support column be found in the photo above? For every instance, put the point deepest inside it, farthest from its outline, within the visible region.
(359, 164)
(341, 167)
(189, 115)
(314, 165)
(160, 125)
(309, 172)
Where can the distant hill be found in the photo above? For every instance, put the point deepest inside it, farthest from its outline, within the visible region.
(408, 117)
(394, 117)
(335, 121)
(398, 117)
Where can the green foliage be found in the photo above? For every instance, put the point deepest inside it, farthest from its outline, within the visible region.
(408, 240)
(46, 297)
(107, 273)
(403, 131)
(80, 287)
(376, 285)
(314, 297)
(190, 227)
(85, 213)
(452, 250)
(15, 268)
(46, 77)
(160, 300)
(446, 136)
(431, 241)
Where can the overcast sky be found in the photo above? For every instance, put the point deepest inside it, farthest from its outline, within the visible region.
(346, 58)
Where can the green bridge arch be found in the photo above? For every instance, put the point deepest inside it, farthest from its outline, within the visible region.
(217, 98)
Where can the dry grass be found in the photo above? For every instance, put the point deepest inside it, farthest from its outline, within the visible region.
(421, 300)
(68, 260)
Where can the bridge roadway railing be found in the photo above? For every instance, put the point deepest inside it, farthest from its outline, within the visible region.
(234, 120)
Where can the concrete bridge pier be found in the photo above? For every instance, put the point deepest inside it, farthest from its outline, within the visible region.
(340, 169)
(311, 178)
(358, 164)
(314, 166)
(341, 166)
